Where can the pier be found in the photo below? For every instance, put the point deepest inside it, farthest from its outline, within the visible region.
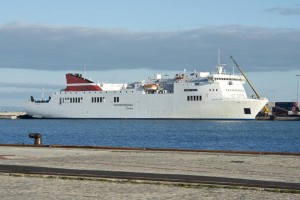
(11, 115)
(169, 173)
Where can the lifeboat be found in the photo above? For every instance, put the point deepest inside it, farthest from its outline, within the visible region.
(179, 76)
(151, 86)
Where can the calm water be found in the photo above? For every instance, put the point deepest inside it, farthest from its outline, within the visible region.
(188, 134)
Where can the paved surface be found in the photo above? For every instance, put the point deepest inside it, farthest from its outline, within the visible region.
(270, 168)
(37, 188)
(148, 177)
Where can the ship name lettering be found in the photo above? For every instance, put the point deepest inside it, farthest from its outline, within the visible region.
(123, 104)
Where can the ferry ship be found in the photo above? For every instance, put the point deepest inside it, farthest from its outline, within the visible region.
(187, 95)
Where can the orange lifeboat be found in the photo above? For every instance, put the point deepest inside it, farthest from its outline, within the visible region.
(151, 86)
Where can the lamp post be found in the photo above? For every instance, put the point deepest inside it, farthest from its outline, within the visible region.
(297, 91)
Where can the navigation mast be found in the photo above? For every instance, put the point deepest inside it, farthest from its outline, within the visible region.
(220, 67)
(84, 71)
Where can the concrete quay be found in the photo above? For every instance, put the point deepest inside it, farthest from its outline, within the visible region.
(20, 175)
(11, 115)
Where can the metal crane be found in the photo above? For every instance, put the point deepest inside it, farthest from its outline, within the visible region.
(266, 110)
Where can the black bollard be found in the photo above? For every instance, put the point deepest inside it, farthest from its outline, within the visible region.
(37, 138)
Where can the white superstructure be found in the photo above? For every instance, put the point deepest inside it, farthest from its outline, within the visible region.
(195, 95)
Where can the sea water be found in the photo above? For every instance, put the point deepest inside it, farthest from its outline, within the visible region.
(278, 136)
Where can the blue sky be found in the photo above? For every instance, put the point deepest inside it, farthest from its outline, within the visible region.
(130, 40)
(151, 15)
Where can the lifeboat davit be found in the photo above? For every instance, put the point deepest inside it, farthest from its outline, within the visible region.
(151, 86)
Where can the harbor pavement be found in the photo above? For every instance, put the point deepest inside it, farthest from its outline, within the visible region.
(258, 167)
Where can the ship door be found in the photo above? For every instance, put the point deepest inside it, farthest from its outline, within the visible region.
(247, 111)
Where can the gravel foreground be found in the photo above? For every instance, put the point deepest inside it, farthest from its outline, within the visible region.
(29, 187)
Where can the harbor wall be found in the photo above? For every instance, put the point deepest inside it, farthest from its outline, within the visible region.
(11, 115)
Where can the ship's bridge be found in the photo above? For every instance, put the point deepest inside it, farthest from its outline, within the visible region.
(226, 77)
(231, 86)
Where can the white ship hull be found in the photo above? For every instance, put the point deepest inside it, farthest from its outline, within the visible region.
(145, 106)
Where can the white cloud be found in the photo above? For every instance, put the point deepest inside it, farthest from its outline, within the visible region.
(284, 10)
(45, 47)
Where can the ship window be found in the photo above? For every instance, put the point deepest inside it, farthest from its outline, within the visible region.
(247, 111)
(96, 99)
(194, 98)
(116, 99)
(197, 83)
